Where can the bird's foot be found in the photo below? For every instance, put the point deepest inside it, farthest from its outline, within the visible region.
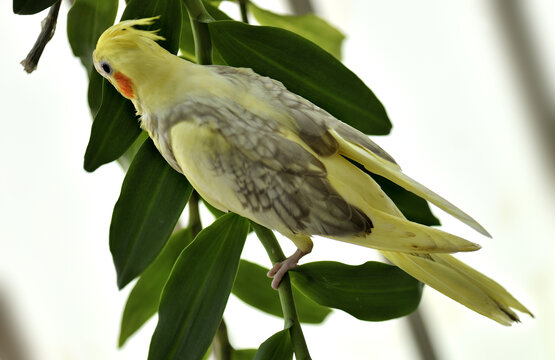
(281, 268)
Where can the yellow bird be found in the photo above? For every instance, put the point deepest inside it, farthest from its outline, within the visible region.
(250, 146)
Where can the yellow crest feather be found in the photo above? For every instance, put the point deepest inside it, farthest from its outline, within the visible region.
(125, 31)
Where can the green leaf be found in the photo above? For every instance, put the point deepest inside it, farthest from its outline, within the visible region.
(411, 205)
(127, 158)
(304, 69)
(28, 7)
(196, 293)
(187, 41)
(115, 126)
(253, 287)
(372, 291)
(216, 13)
(94, 92)
(277, 347)
(309, 26)
(86, 21)
(152, 198)
(243, 354)
(144, 299)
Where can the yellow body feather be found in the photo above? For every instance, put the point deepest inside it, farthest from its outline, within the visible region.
(250, 146)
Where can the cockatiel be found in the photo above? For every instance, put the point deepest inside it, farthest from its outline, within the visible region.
(250, 146)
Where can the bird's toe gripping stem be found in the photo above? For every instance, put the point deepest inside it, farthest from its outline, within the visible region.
(281, 268)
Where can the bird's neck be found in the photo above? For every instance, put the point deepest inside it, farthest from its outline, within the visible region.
(158, 79)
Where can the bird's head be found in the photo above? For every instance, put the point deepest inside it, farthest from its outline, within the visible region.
(123, 54)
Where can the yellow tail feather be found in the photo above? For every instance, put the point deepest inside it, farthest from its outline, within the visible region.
(391, 171)
(462, 284)
(395, 233)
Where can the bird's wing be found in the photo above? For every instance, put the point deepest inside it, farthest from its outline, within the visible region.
(273, 180)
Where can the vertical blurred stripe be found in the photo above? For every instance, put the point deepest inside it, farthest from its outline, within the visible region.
(11, 345)
(516, 29)
(301, 7)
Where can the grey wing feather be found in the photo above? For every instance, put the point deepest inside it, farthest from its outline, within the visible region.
(291, 184)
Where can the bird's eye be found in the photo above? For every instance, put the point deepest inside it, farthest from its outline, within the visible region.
(106, 67)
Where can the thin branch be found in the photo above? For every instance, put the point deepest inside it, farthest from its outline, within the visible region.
(197, 11)
(243, 7)
(203, 45)
(47, 32)
(269, 241)
(194, 217)
(221, 347)
(199, 19)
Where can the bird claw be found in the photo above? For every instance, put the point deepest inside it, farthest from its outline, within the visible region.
(281, 268)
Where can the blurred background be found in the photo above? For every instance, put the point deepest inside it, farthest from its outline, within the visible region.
(469, 86)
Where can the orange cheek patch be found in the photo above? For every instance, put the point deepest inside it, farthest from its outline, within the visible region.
(124, 84)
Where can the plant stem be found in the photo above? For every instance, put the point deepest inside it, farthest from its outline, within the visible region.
(194, 217)
(221, 347)
(199, 19)
(269, 241)
(197, 11)
(243, 7)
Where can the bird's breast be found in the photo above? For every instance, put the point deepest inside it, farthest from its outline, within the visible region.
(196, 149)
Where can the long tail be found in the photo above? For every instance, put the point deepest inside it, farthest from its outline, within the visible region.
(441, 271)
(461, 283)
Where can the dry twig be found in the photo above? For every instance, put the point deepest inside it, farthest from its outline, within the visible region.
(48, 28)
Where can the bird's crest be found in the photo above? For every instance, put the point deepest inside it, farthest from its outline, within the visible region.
(125, 31)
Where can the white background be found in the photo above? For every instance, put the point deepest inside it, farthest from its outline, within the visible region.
(461, 127)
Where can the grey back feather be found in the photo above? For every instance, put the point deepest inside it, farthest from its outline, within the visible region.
(313, 123)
